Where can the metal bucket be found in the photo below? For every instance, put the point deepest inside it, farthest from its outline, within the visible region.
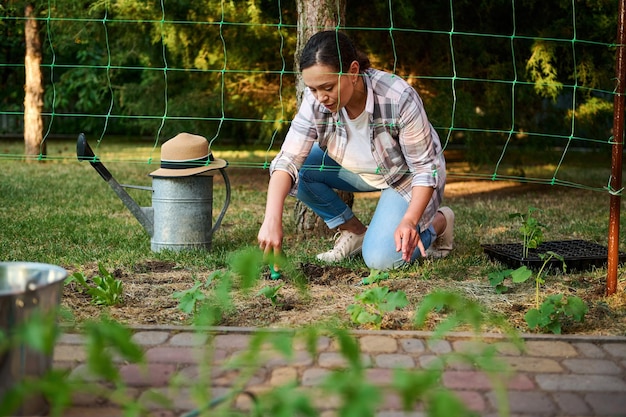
(183, 211)
(26, 287)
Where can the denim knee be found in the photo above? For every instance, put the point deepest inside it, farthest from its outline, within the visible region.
(381, 259)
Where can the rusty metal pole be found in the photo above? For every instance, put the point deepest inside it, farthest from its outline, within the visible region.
(616, 156)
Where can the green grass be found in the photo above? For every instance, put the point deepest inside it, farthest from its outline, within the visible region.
(62, 212)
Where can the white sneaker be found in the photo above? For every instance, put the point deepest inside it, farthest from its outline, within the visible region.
(444, 243)
(347, 244)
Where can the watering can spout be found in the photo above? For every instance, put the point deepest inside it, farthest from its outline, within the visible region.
(145, 215)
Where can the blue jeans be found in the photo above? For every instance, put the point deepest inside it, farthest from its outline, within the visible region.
(317, 190)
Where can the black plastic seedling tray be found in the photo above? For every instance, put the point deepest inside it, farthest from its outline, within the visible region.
(579, 255)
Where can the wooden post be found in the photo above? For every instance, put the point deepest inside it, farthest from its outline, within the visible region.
(616, 155)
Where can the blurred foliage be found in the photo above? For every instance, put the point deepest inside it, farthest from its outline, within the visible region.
(488, 71)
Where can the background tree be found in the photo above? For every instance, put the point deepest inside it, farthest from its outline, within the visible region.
(314, 16)
(33, 86)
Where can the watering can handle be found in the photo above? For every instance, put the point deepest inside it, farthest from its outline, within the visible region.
(84, 153)
(226, 201)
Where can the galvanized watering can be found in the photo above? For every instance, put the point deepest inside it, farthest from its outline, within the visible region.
(181, 215)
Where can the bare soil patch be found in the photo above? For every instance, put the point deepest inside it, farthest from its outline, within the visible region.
(329, 289)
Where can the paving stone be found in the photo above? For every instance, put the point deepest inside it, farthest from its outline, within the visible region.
(82, 373)
(550, 349)
(589, 350)
(167, 354)
(439, 346)
(508, 349)
(394, 360)
(520, 382)
(259, 377)
(314, 376)
(149, 375)
(188, 374)
(69, 353)
(150, 338)
(379, 376)
(71, 339)
(431, 362)
(413, 345)
(283, 376)
(232, 341)
(300, 358)
(472, 400)
(322, 343)
(245, 401)
(615, 349)
(471, 380)
(321, 399)
(607, 404)
(332, 360)
(553, 378)
(571, 404)
(591, 366)
(589, 383)
(474, 347)
(532, 364)
(531, 403)
(160, 398)
(219, 377)
(478, 380)
(82, 399)
(189, 339)
(389, 400)
(378, 344)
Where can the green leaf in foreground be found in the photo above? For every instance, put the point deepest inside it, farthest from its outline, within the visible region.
(189, 299)
(373, 303)
(556, 311)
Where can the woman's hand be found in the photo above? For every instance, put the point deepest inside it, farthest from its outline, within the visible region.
(407, 239)
(270, 237)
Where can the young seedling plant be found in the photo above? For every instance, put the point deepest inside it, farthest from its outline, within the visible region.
(531, 230)
(375, 276)
(555, 309)
(205, 295)
(107, 291)
(373, 303)
(271, 293)
(190, 299)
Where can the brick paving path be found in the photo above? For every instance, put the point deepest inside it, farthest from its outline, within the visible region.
(555, 376)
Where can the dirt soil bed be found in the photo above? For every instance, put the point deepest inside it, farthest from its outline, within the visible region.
(331, 289)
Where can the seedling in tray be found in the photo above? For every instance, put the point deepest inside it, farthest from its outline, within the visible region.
(531, 230)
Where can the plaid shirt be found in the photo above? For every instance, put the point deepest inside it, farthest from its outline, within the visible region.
(404, 144)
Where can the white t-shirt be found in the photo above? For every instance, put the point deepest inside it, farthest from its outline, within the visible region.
(358, 156)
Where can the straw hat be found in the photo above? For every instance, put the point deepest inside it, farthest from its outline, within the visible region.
(185, 155)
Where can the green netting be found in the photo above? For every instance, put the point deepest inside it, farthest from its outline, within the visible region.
(461, 98)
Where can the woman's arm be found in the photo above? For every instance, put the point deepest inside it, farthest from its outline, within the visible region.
(270, 235)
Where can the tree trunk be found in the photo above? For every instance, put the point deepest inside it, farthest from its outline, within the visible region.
(313, 16)
(33, 87)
